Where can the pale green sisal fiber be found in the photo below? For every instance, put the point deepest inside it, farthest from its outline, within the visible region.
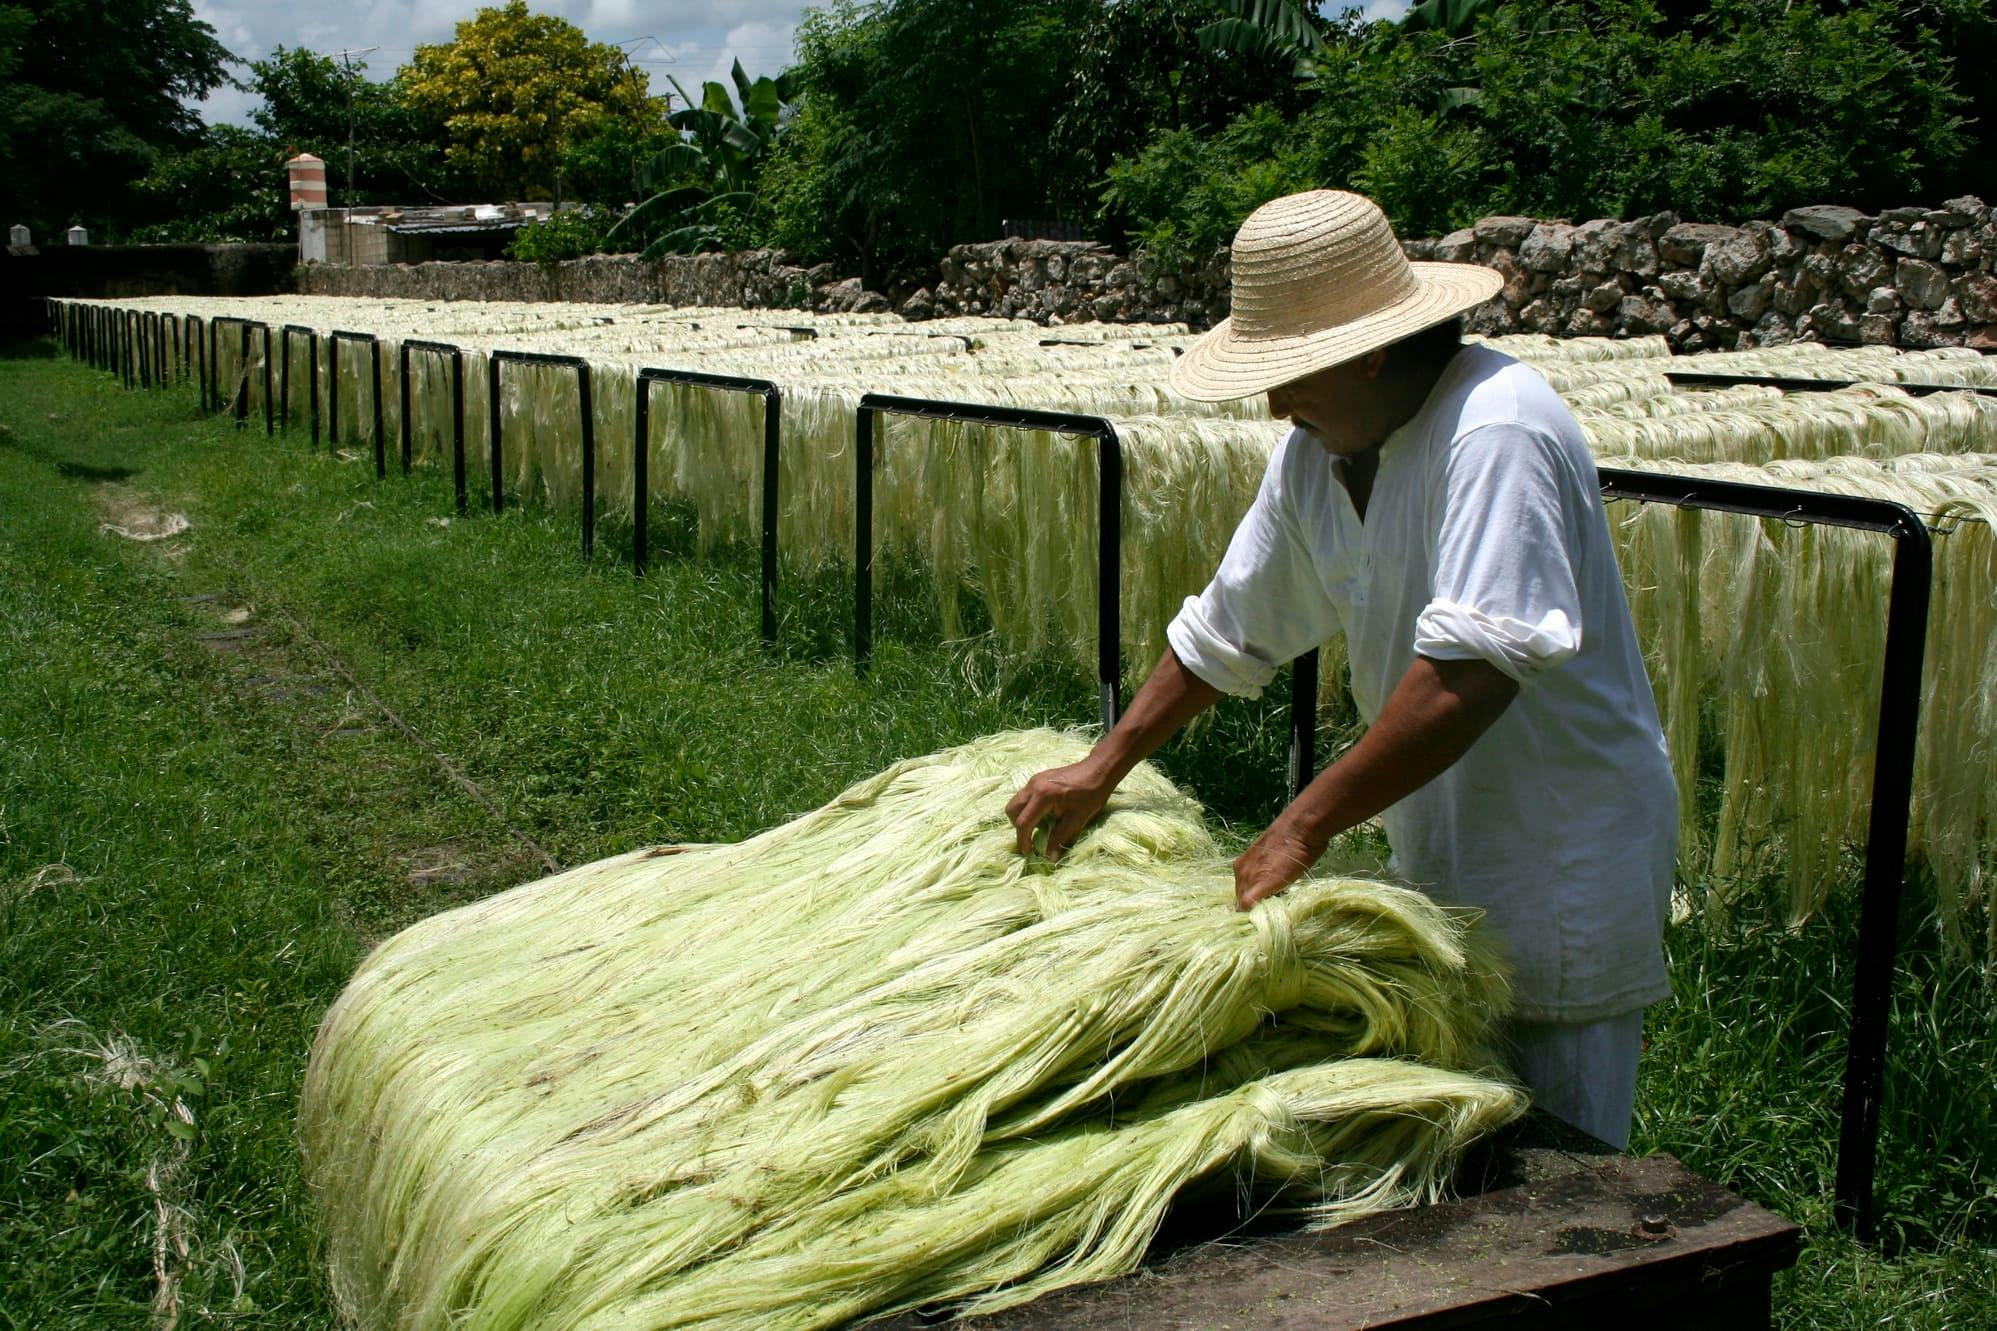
(874, 1059)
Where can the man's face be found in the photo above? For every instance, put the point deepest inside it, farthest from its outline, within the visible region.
(1338, 407)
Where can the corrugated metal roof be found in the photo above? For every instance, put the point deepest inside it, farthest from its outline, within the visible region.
(436, 228)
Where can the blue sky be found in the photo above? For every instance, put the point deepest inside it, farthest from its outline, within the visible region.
(691, 40)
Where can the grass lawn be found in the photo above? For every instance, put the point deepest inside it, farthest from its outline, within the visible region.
(234, 757)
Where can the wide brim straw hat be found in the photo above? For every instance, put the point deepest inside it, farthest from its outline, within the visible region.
(1320, 280)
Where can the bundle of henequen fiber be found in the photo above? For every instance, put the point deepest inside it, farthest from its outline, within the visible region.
(874, 1060)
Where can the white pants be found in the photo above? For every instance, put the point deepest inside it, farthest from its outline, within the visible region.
(1583, 1073)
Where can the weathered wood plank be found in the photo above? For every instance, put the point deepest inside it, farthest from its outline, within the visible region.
(1560, 1235)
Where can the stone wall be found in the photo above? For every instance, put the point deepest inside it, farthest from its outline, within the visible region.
(1057, 282)
(109, 271)
(756, 279)
(1911, 277)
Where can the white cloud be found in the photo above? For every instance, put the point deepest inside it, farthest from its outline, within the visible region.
(607, 14)
(692, 39)
(763, 47)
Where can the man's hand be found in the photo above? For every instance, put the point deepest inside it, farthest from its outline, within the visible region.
(1278, 858)
(1070, 796)
(1434, 715)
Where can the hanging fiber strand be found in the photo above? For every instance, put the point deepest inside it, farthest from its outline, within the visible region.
(1758, 637)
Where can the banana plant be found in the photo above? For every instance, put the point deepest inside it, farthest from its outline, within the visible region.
(710, 174)
(1456, 20)
(1271, 30)
(1276, 30)
(1452, 18)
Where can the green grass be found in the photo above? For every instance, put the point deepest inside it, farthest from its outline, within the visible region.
(200, 835)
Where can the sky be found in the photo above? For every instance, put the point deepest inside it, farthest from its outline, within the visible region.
(690, 40)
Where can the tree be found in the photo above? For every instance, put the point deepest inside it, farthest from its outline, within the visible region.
(231, 185)
(312, 103)
(707, 181)
(1745, 109)
(923, 123)
(1146, 66)
(1720, 112)
(602, 167)
(513, 89)
(1268, 30)
(90, 95)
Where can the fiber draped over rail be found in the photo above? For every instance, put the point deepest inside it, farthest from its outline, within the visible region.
(1793, 728)
(873, 1059)
(1757, 636)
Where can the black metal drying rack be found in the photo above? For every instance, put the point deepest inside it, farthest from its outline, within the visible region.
(211, 373)
(1893, 759)
(1892, 775)
(127, 348)
(151, 367)
(139, 344)
(457, 356)
(373, 343)
(641, 468)
(1892, 782)
(1109, 519)
(96, 336)
(264, 329)
(498, 358)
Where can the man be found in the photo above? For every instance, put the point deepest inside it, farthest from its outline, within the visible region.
(1437, 504)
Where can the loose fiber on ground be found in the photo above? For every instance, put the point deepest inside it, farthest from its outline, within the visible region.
(873, 1059)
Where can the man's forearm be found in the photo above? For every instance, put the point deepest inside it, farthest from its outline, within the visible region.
(1171, 697)
(1434, 715)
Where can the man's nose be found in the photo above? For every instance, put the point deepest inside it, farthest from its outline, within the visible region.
(1279, 403)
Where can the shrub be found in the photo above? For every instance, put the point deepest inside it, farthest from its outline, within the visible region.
(569, 234)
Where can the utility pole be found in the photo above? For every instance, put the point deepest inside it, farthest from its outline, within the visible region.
(347, 64)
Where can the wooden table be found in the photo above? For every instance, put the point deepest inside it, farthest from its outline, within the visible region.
(1553, 1229)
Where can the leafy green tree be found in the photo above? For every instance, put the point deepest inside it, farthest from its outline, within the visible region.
(1455, 18)
(1271, 30)
(230, 187)
(1751, 107)
(1141, 66)
(927, 122)
(1188, 191)
(569, 234)
(1614, 108)
(312, 103)
(602, 167)
(90, 96)
(513, 89)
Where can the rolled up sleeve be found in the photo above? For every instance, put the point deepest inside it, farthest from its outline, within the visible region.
(1504, 588)
(1265, 606)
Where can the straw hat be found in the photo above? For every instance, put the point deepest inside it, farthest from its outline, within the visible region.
(1319, 280)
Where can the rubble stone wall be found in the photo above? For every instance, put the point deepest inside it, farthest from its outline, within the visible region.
(752, 278)
(1908, 277)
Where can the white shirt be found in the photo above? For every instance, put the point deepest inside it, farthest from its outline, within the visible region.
(1484, 538)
